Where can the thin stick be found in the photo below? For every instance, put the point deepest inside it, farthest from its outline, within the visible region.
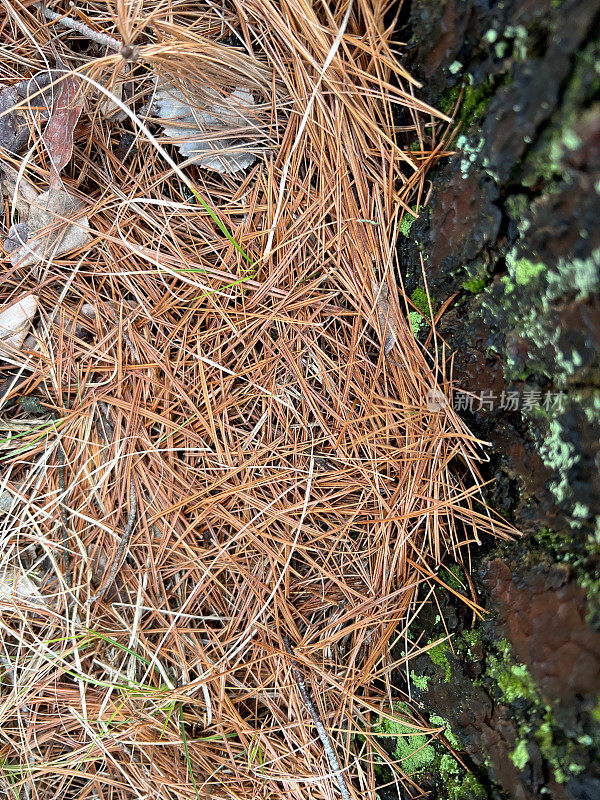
(122, 547)
(103, 39)
(323, 735)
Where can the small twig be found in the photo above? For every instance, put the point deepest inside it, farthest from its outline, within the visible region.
(122, 546)
(323, 735)
(103, 39)
(63, 514)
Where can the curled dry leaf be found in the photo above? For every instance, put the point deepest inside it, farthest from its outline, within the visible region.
(45, 229)
(15, 321)
(218, 132)
(387, 323)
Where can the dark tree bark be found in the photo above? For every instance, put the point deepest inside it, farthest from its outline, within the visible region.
(513, 228)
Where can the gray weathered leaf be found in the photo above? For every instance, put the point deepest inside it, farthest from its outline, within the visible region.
(44, 230)
(219, 132)
(15, 585)
(15, 321)
(14, 128)
(16, 117)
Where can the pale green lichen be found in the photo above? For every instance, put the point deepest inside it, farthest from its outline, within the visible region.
(520, 755)
(519, 36)
(546, 158)
(470, 150)
(525, 271)
(531, 318)
(579, 275)
(559, 454)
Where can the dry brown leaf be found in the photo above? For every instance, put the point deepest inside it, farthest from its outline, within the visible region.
(58, 136)
(387, 323)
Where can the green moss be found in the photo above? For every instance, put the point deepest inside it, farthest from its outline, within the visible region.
(439, 656)
(475, 285)
(416, 322)
(420, 681)
(475, 99)
(467, 641)
(520, 755)
(407, 222)
(419, 320)
(513, 680)
(412, 748)
(420, 755)
(419, 298)
(456, 783)
(451, 575)
(440, 722)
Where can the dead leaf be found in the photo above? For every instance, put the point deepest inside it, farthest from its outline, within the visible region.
(16, 585)
(15, 321)
(14, 126)
(17, 236)
(9, 501)
(58, 136)
(45, 230)
(21, 197)
(218, 132)
(16, 117)
(389, 329)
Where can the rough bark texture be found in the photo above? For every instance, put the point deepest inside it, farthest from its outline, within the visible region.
(513, 228)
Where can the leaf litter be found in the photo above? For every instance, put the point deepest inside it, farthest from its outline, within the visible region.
(225, 491)
(47, 228)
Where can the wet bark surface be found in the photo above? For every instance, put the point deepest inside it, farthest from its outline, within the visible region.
(512, 229)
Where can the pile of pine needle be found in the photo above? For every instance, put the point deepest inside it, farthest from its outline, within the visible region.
(229, 470)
